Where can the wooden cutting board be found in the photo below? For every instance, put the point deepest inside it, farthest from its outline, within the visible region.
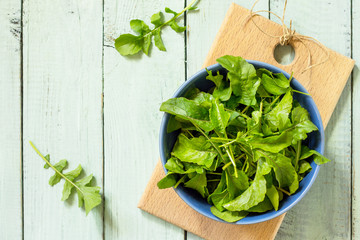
(238, 36)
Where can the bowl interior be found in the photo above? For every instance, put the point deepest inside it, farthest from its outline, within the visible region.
(315, 141)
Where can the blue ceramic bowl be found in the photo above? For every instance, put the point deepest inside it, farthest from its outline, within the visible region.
(315, 141)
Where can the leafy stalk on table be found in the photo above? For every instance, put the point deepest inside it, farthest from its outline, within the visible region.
(241, 145)
(129, 44)
(87, 195)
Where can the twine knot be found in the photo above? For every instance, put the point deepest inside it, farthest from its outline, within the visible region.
(287, 36)
(290, 35)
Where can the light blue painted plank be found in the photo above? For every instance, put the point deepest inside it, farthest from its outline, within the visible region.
(10, 121)
(325, 212)
(62, 112)
(134, 89)
(356, 123)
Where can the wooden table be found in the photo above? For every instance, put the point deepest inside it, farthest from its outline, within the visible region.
(64, 86)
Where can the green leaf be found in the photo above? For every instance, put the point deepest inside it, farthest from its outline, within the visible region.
(236, 185)
(67, 185)
(87, 194)
(174, 165)
(301, 126)
(284, 171)
(251, 197)
(223, 92)
(139, 26)
(304, 167)
(168, 181)
(195, 150)
(220, 188)
(203, 99)
(128, 44)
(146, 44)
(188, 110)
(219, 117)
(47, 157)
(157, 19)
(199, 184)
(223, 89)
(158, 41)
(263, 206)
(278, 118)
(219, 199)
(276, 86)
(318, 158)
(294, 186)
(227, 215)
(217, 79)
(56, 177)
(173, 24)
(273, 196)
(243, 79)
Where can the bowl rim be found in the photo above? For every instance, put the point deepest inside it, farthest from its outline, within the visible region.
(244, 221)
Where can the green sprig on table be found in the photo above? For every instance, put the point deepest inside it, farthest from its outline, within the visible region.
(87, 195)
(129, 44)
(240, 145)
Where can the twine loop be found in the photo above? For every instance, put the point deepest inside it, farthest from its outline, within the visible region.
(290, 35)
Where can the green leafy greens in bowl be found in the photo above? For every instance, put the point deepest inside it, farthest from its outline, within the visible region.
(242, 144)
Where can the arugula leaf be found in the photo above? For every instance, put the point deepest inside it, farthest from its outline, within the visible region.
(243, 79)
(263, 206)
(168, 181)
(128, 44)
(273, 196)
(188, 110)
(219, 117)
(199, 184)
(195, 150)
(228, 216)
(251, 197)
(319, 159)
(236, 185)
(87, 194)
(304, 167)
(278, 118)
(277, 85)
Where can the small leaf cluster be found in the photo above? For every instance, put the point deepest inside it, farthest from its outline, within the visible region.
(129, 44)
(241, 145)
(88, 195)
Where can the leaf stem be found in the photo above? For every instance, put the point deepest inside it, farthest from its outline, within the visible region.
(206, 136)
(213, 180)
(232, 161)
(58, 172)
(180, 181)
(214, 173)
(226, 165)
(171, 19)
(272, 103)
(298, 151)
(284, 191)
(307, 94)
(245, 109)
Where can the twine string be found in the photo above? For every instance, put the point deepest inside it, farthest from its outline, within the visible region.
(289, 35)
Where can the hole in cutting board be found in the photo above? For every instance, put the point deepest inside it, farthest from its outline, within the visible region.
(284, 54)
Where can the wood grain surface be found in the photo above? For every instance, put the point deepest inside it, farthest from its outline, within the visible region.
(134, 88)
(355, 105)
(62, 112)
(325, 84)
(10, 121)
(64, 86)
